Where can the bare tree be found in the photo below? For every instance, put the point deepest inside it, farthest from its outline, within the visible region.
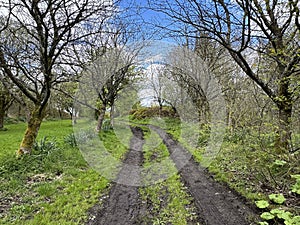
(6, 100)
(43, 44)
(106, 76)
(153, 81)
(191, 74)
(247, 29)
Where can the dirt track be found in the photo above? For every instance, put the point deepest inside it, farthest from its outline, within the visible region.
(215, 204)
(123, 205)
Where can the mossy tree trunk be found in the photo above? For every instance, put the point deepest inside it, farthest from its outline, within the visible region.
(284, 131)
(33, 126)
(101, 117)
(6, 101)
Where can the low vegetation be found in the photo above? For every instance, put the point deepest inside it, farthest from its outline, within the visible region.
(53, 185)
(252, 169)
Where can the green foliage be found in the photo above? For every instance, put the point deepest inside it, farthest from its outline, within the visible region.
(277, 198)
(277, 214)
(293, 221)
(296, 186)
(246, 161)
(280, 162)
(83, 136)
(150, 112)
(70, 140)
(281, 214)
(44, 147)
(267, 216)
(262, 204)
(263, 223)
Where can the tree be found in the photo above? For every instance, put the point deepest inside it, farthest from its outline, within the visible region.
(43, 43)
(105, 78)
(63, 99)
(6, 99)
(191, 73)
(249, 29)
(153, 80)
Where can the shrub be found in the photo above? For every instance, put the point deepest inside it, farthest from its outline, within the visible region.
(149, 112)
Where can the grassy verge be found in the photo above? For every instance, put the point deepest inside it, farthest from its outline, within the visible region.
(54, 185)
(248, 164)
(167, 200)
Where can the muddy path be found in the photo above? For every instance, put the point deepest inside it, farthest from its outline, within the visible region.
(216, 203)
(123, 205)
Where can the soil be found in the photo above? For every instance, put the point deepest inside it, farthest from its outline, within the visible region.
(215, 203)
(123, 205)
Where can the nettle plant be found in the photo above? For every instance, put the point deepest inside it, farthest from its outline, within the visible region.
(279, 215)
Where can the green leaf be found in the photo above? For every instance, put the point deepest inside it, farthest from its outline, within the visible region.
(293, 221)
(263, 223)
(277, 198)
(296, 188)
(280, 162)
(267, 216)
(296, 176)
(262, 204)
(281, 214)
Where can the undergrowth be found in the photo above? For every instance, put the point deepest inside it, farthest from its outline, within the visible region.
(248, 164)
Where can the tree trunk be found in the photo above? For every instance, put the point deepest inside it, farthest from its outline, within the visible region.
(73, 115)
(33, 126)
(285, 107)
(2, 111)
(111, 115)
(2, 114)
(204, 112)
(284, 131)
(101, 118)
(160, 106)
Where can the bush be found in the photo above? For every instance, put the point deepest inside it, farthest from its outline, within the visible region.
(154, 111)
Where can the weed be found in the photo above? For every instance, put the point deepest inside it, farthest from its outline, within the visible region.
(70, 139)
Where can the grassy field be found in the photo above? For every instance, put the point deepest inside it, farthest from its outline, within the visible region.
(54, 185)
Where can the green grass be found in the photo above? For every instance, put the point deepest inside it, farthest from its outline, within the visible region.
(168, 199)
(53, 185)
(247, 163)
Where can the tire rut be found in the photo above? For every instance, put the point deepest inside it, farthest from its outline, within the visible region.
(216, 203)
(123, 204)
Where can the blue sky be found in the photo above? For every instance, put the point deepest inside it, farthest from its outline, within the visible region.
(146, 16)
